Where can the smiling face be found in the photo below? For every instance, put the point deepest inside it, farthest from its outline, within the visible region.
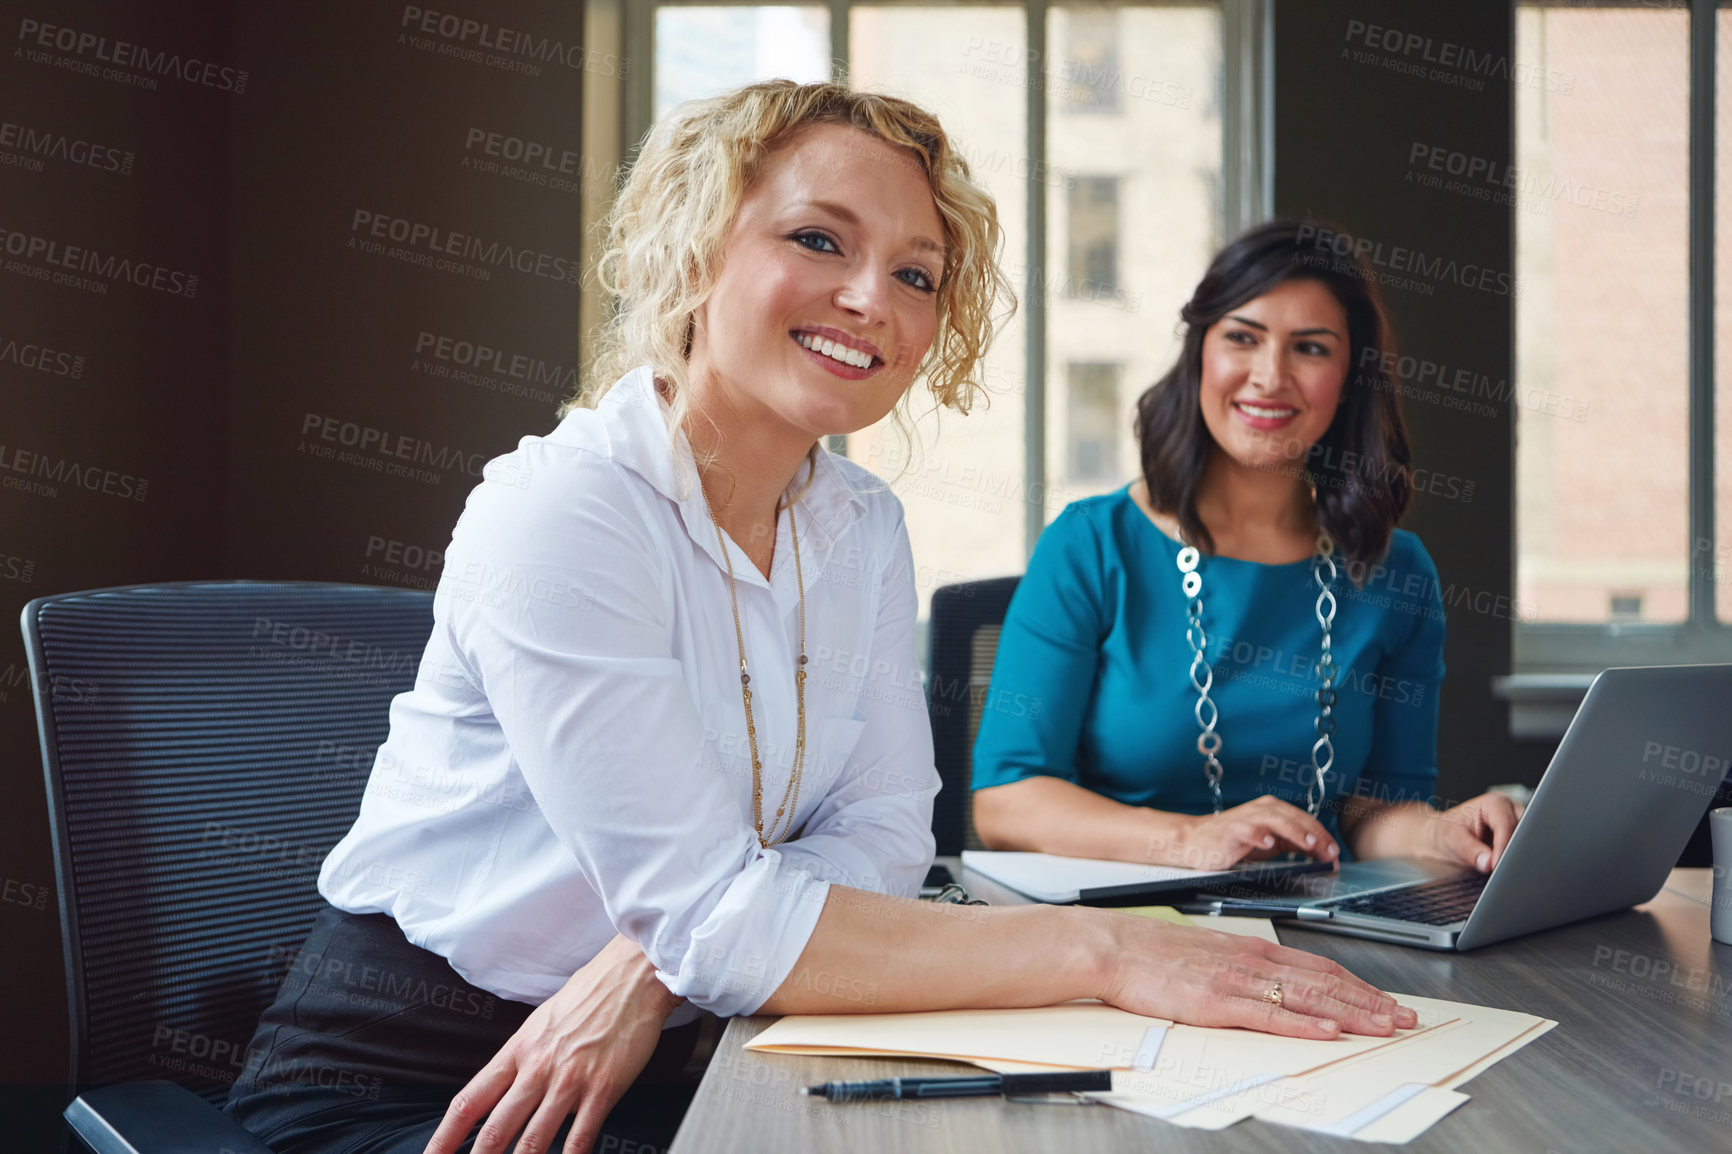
(826, 301)
(1273, 369)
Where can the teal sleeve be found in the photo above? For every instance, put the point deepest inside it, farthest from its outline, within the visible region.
(1402, 763)
(1044, 672)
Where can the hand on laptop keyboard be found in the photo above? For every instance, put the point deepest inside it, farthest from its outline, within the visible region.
(1475, 832)
(1264, 827)
(1472, 835)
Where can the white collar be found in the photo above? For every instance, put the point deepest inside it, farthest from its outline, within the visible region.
(635, 420)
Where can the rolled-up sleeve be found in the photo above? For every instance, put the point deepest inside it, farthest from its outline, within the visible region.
(873, 829)
(560, 604)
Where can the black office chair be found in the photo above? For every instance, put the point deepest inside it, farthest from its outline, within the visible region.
(963, 640)
(204, 744)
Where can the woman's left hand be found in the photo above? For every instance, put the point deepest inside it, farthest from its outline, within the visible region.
(1472, 834)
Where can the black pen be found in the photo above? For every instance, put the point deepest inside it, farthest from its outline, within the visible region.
(975, 1087)
(1231, 906)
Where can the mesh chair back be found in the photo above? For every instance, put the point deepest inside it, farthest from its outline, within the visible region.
(204, 744)
(963, 631)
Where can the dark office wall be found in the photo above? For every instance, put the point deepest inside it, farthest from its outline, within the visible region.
(1367, 94)
(382, 217)
(112, 186)
(406, 231)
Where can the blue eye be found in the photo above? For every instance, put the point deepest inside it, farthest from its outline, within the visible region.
(923, 282)
(810, 235)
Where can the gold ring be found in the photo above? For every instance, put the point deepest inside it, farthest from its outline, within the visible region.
(1274, 996)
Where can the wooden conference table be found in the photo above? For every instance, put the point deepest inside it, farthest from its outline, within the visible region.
(1641, 1058)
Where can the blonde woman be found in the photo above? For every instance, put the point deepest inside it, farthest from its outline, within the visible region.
(623, 791)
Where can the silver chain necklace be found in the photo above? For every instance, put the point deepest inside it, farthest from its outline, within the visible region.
(1203, 676)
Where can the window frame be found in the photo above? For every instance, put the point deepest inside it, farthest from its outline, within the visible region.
(1552, 663)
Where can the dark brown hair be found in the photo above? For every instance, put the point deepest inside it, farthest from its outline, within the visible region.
(1361, 466)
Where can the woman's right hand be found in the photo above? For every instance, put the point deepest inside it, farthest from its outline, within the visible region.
(1208, 978)
(1261, 828)
(578, 1052)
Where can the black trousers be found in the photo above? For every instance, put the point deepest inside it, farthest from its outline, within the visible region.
(371, 1036)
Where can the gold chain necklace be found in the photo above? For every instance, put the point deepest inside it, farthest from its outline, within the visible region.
(788, 806)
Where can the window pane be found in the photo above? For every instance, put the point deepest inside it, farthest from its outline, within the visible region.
(963, 487)
(1091, 45)
(703, 51)
(1602, 400)
(1091, 421)
(1092, 219)
(1133, 216)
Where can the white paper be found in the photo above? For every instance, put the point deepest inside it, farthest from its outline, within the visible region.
(1050, 878)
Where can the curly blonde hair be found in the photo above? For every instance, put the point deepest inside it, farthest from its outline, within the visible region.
(667, 228)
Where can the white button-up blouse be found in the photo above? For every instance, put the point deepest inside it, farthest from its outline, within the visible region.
(573, 758)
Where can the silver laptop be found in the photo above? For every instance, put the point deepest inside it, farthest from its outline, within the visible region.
(1635, 771)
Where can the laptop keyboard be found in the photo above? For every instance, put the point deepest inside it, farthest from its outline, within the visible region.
(1438, 903)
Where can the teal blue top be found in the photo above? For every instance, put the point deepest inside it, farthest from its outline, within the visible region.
(1092, 683)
